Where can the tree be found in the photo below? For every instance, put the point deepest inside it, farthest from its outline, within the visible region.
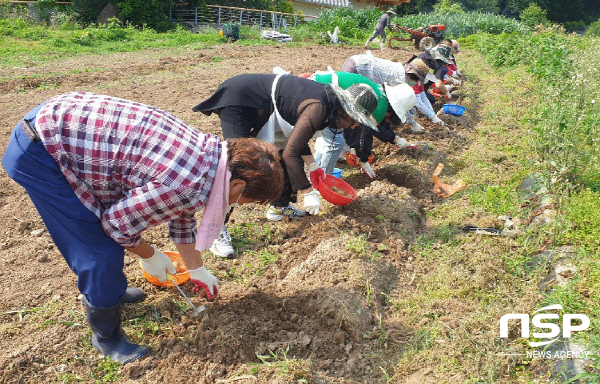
(415, 6)
(87, 11)
(489, 6)
(146, 12)
(534, 15)
(447, 7)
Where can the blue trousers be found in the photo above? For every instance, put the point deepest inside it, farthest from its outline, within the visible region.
(328, 149)
(96, 258)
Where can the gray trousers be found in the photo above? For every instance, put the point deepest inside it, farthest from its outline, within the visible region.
(380, 32)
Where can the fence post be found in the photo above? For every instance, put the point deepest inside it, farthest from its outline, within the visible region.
(260, 22)
(241, 12)
(170, 13)
(219, 19)
(295, 20)
(196, 17)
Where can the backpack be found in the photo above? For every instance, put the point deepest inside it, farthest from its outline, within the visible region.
(231, 31)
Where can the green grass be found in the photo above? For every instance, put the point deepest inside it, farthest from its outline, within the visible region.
(279, 363)
(357, 244)
(107, 371)
(22, 42)
(245, 233)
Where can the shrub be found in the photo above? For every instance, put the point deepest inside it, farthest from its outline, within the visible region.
(447, 6)
(575, 26)
(534, 15)
(594, 29)
(148, 13)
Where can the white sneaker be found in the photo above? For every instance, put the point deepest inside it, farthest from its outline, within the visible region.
(222, 246)
(382, 46)
(290, 211)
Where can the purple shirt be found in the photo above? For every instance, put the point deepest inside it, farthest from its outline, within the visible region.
(133, 165)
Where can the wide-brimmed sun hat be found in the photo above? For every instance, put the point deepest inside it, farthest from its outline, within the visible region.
(401, 97)
(359, 101)
(455, 46)
(391, 10)
(417, 67)
(442, 52)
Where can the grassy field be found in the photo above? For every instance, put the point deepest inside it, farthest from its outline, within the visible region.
(534, 113)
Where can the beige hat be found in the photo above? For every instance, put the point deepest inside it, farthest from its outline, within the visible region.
(401, 97)
(417, 67)
(455, 46)
(359, 101)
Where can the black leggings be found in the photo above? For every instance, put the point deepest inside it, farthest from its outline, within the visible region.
(289, 193)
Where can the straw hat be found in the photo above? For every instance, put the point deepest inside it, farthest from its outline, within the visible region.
(441, 52)
(391, 10)
(401, 97)
(455, 46)
(417, 67)
(359, 101)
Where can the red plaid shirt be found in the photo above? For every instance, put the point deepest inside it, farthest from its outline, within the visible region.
(133, 165)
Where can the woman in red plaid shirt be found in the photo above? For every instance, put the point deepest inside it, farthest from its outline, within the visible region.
(100, 170)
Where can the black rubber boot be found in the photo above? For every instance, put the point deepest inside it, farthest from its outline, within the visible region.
(107, 335)
(132, 295)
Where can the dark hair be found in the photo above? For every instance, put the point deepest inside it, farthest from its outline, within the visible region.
(258, 163)
(412, 76)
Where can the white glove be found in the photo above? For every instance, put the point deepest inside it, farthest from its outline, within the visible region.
(448, 95)
(458, 72)
(400, 142)
(449, 87)
(280, 71)
(366, 167)
(457, 83)
(455, 74)
(204, 279)
(312, 203)
(437, 120)
(158, 265)
(416, 127)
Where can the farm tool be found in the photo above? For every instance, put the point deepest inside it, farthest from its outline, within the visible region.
(197, 311)
(418, 146)
(422, 38)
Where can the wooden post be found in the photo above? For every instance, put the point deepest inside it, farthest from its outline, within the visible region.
(219, 19)
(260, 22)
(241, 12)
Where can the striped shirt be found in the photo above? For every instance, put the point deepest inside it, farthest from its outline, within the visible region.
(133, 165)
(379, 70)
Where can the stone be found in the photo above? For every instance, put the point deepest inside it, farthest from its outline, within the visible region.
(37, 232)
(109, 12)
(531, 185)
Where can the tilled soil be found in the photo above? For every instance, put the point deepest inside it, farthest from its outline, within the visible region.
(320, 312)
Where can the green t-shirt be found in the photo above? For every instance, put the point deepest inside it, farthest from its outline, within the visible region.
(346, 79)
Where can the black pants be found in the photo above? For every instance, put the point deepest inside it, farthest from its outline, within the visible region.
(239, 122)
(430, 97)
